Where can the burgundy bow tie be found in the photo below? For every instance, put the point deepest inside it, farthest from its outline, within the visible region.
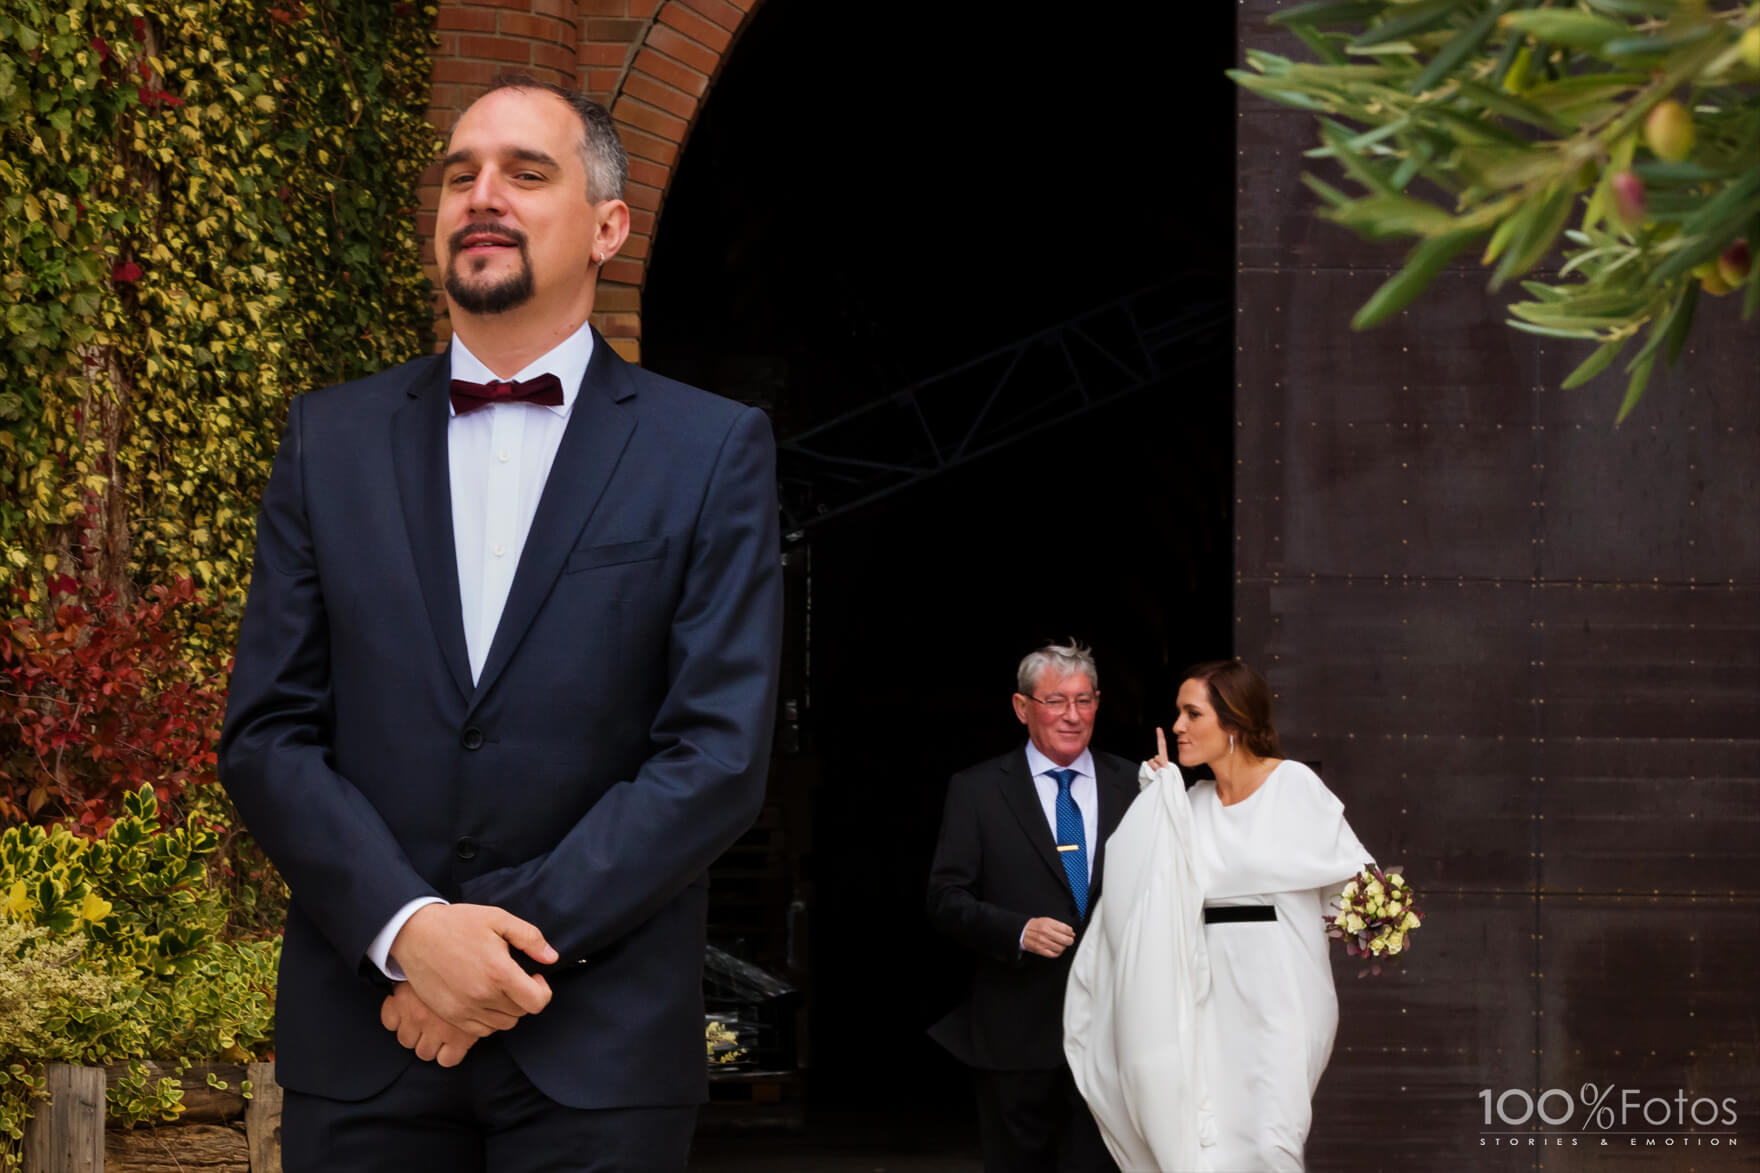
(545, 390)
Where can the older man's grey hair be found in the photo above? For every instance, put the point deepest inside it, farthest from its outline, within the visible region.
(1063, 659)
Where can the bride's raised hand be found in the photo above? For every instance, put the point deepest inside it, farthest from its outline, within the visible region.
(1159, 761)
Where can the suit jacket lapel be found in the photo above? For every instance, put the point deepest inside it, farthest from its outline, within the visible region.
(1023, 800)
(424, 484)
(592, 443)
(1114, 789)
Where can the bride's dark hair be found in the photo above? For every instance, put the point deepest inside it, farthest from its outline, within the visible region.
(1242, 701)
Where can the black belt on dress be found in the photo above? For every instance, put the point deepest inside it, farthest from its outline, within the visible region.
(1234, 913)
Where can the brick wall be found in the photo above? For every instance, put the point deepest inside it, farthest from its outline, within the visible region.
(651, 62)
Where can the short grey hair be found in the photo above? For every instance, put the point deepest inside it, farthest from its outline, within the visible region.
(1066, 658)
(601, 150)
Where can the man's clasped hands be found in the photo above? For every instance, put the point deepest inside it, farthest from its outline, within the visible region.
(463, 984)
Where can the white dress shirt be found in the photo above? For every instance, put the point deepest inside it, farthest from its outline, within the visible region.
(1085, 789)
(498, 458)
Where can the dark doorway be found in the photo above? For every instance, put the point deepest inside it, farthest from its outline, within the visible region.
(867, 200)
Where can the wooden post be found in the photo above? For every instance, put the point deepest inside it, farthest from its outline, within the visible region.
(262, 1119)
(67, 1134)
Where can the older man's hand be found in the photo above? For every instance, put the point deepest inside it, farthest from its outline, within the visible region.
(1047, 937)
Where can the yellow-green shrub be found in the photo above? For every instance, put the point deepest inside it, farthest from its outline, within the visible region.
(124, 939)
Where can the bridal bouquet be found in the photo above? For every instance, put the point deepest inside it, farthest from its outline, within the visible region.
(1376, 913)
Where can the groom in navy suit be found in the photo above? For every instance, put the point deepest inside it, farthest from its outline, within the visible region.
(504, 689)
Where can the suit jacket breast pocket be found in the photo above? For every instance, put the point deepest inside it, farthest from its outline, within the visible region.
(616, 554)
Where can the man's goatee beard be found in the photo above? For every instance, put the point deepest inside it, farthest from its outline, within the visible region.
(504, 295)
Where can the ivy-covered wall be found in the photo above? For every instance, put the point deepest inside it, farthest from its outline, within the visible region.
(206, 206)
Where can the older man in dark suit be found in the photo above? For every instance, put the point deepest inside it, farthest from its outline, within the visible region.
(505, 682)
(1016, 874)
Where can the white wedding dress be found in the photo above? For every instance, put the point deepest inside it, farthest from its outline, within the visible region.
(1198, 1047)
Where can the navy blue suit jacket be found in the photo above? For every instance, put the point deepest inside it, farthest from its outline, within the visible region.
(617, 741)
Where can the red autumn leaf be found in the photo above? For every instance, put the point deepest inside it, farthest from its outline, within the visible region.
(140, 28)
(103, 48)
(153, 98)
(127, 272)
(105, 699)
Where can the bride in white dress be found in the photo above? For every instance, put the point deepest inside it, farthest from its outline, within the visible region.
(1200, 1011)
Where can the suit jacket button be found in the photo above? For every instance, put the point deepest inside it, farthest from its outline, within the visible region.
(466, 848)
(472, 739)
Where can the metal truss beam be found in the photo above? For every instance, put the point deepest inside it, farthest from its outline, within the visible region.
(995, 400)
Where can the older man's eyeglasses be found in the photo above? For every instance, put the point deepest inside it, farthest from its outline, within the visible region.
(1083, 702)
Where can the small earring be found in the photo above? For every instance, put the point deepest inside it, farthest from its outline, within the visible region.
(597, 259)
(1231, 743)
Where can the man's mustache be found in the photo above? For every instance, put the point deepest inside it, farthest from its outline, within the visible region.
(487, 228)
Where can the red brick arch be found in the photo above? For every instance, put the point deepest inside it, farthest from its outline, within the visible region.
(651, 62)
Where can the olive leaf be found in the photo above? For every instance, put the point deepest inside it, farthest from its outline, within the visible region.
(1535, 128)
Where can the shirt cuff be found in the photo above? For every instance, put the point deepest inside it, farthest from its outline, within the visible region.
(379, 952)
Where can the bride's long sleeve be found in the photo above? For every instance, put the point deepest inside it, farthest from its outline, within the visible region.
(1133, 1001)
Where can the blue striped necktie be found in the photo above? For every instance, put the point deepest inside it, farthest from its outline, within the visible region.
(1070, 834)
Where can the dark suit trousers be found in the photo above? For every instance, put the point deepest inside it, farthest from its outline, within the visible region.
(1037, 1122)
(482, 1116)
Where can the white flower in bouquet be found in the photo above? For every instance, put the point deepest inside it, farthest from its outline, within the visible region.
(1373, 914)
